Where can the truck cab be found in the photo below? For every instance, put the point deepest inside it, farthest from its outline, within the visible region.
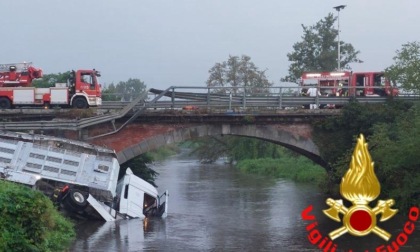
(84, 88)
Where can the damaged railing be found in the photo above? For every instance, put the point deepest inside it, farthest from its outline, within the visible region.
(212, 99)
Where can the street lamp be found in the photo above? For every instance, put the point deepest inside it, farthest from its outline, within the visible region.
(338, 8)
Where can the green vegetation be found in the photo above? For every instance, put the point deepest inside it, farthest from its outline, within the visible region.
(139, 164)
(238, 73)
(392, 131)
(49, 80)
(318, 50)
(124, 90)
(29, 221)
(139, 167)
(299, 169)
(164, 152)
(405, 70)
(336, 134)
(260, 157)
(78, 113)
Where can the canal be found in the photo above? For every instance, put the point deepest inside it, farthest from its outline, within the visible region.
(213, 207)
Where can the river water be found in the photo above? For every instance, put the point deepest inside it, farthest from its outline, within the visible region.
(213, 207)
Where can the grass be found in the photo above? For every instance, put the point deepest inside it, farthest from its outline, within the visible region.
(164, 152)
(30, 222)
(298, 169)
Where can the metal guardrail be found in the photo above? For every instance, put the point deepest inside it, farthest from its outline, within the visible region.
(203, 98)
(278, 97)
(138, 106)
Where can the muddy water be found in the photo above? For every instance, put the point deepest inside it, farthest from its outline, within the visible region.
(217, 208)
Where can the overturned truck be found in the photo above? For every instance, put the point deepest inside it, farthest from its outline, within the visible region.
(80, 178)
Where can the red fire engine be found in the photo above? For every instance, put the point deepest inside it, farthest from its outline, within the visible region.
(21, 74)
(349, 83)
(81, 90)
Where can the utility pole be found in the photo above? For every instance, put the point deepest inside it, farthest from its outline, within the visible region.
(338, 8)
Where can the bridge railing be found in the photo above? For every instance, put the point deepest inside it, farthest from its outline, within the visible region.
(214, 100)
(178, 97)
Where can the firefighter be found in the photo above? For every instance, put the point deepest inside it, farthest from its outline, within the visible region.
(339, 90)
(59, 194)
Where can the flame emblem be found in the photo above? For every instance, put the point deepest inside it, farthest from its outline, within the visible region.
(360, 186)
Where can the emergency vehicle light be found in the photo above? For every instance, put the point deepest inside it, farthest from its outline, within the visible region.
(313, 75)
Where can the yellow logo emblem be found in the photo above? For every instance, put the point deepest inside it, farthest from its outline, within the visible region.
(360, 186)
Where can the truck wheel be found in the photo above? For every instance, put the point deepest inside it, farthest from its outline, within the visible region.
(76, 200)
(5, 103)
(80, 103)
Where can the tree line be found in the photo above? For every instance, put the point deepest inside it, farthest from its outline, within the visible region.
(392, 131)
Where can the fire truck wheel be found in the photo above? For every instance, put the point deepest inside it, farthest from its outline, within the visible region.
(77, 199)
(80, 103)
(5, 103)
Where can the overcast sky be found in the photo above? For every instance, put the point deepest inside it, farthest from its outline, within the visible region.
(166, 43)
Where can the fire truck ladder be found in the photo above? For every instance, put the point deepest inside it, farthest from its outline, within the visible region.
(20, 67)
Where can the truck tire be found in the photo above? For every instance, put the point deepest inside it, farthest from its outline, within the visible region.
(80, 103)
(76, 200)
(5, 103)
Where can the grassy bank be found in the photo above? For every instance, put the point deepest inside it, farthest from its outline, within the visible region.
(30, 222)
(164, 152)
(298, 169)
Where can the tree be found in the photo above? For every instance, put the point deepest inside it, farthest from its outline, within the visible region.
(393, 133)
(236, 148)
(125, 90)
(131, 89)
(236, 75)
(239, 74)
(139, 167)
(110, 93)
(318, 50)
(211, 148)
(406, 69)
(49, 80)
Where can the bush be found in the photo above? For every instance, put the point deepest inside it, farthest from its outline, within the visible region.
(299, 169)
(29, 221)
(164, 152)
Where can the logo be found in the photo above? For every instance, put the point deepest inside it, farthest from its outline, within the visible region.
(360, 186)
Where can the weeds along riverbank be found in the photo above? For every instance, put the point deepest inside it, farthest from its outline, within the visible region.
(298, 169)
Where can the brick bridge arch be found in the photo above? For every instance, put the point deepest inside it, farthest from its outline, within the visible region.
(136, 139)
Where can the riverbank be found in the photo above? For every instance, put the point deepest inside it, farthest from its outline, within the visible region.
(298, 169)
(30, 222)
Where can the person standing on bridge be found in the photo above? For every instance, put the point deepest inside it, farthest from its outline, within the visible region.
(313, 92)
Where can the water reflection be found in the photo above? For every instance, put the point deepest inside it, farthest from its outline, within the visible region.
(216, 208)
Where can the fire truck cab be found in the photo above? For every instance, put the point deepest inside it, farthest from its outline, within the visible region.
(84, 89)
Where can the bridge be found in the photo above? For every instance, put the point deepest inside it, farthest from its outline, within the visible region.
(176, 114)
